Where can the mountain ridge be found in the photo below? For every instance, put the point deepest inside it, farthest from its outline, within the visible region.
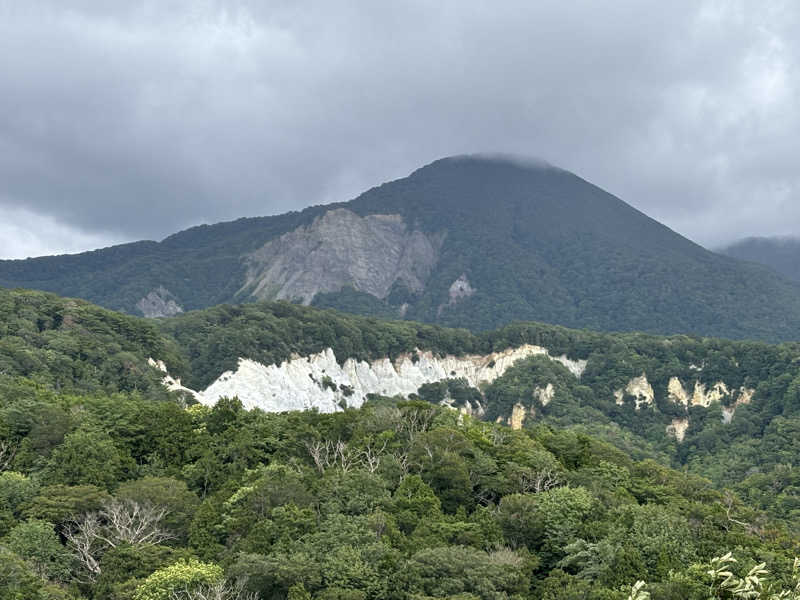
(464, 241)
(781, 254)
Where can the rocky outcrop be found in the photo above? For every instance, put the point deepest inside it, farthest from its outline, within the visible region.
(706, 397)
(677, 393)
(159, 302)
(678, 427)
(517, 418)
(341, 248)
(171, 383)
(745, 396)
(640, 389)
(544, 394)
(460, 289)
(319, 381)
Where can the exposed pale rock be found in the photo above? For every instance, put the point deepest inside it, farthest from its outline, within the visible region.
(544, 395)
(171, 383)
(640, 389)
(678, 428)
(460, 289)
(476, 410)
(703, 397)
(745, 396)
(159, 302)
(576, 367)
(517, 416)
(677, 393)
(341, 248)
(297, 384)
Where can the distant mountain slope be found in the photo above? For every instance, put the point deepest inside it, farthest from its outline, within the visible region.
(472, 242)
(780, 253)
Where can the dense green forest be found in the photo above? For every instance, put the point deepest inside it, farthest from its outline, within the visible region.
(535, 242)
(112, 488)
(779, 253)
(124, 496)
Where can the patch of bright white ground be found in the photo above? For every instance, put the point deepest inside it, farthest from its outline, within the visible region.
(319, 381)
(25, 234)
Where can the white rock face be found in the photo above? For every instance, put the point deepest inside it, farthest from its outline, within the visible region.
(745, 397)
(319, 381)
(342, 248)
(640, 389)
(677, 393)
(705, 398)
(517, 417)
(459, 289)
(171, 383)
(544, 395)
(159, 302)
(678, 428)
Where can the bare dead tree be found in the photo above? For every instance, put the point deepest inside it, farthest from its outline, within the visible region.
(403, 460)
(728, 502)
(483, 496)
(327, 454)
(131, 522)
(224, 590)
(318, 452)
(371, 455)
(415, 420)
(82, 535)
(499, 435)
(538, 481)
(7, 453)
(117, 522)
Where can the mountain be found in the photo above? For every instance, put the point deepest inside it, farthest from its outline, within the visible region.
(468, 241)
(780, 253)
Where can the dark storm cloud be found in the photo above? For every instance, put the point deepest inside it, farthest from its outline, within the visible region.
(123, 120)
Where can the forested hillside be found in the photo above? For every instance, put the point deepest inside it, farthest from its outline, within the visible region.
(474, 242)
(781, 254)
(144, 500)
(113, 488)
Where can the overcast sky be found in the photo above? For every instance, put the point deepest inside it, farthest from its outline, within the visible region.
(132, 120)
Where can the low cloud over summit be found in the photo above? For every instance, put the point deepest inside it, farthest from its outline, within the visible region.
(123, 121)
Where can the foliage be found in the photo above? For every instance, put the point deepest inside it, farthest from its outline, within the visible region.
(182, 575)
(130, 495)
(39, 544)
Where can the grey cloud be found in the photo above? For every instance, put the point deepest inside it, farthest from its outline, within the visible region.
(124, 120)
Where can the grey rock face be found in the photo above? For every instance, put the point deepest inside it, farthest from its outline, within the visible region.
(159, 302)
(341, 248)
(460, 288)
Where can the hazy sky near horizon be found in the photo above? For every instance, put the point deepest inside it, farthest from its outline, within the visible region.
(131, 120)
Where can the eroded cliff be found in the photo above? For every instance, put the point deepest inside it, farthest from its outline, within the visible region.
(341, 248)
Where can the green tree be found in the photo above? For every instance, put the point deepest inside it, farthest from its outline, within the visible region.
(38, 544)
(88, 457)
(183, 575)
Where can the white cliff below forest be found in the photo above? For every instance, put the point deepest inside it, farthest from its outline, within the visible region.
(319, 382)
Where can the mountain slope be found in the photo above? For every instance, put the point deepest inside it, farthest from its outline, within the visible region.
(781, 254)
(467, 241)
